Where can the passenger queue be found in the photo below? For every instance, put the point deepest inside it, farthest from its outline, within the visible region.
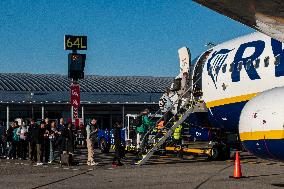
(37, 142)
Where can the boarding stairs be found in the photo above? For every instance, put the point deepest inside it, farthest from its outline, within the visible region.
(162, 140)
(190, 106)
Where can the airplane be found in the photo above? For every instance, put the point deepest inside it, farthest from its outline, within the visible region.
(260, 122)
(236, 72)
(242, 79)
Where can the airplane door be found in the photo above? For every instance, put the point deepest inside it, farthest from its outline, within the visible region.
(197, 74)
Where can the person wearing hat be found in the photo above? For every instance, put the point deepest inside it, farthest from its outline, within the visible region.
(142, 129)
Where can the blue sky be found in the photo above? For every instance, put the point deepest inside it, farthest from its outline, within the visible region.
(128, 37)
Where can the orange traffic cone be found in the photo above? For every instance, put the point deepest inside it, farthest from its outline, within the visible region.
(237, 169)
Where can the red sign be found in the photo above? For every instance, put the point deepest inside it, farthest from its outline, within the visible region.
(75, 99)
(77, 122)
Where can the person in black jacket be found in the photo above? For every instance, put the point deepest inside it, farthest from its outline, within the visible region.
(69, 135)
(2, 139)
(61, 140)
(117, 143)
(41, 132)
(32, 138)
(10, 140)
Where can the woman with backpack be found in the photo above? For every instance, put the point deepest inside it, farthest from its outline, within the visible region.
(13, 140)
(16, 141)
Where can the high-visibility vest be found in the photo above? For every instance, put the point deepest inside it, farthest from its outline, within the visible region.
(177, 132)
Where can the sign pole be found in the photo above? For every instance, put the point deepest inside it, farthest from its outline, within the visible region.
(76, 64)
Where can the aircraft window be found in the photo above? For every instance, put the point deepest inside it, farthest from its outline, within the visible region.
(248, 64)
(231, 67)
(256, 63)
(210, 69)
(224, 68)
(277, 60)
(266, 61)
(240, 64)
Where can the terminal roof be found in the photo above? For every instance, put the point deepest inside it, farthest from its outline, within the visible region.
(55, 88)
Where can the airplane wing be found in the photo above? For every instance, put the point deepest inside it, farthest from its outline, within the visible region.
(266, 16)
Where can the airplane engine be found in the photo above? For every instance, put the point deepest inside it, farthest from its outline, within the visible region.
(261, 125)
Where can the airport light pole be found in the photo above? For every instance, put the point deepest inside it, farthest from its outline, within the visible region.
(76, 65)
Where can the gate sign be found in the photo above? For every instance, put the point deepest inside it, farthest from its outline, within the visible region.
(75, 99)
(75, 42)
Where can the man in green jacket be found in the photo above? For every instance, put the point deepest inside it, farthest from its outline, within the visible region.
(143, 128)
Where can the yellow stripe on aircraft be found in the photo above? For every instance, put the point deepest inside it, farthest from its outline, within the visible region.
(260, 135)
(230, 100)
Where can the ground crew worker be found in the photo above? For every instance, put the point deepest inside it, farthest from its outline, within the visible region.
(177, 132)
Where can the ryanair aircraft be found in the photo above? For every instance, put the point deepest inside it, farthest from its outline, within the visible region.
(242, 79)
(234, 73)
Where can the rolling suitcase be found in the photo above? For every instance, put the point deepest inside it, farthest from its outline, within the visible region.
(66, 158)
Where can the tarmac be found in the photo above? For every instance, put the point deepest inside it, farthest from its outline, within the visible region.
(160, 172)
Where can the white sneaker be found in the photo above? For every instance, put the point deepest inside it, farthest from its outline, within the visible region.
(38, 164)
(8, 158)
(50, 162)
(93, 163)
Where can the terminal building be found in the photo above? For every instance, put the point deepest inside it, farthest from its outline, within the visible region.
(106, 98)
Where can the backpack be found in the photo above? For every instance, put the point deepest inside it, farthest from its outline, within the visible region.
(15, 136)
(137, 121)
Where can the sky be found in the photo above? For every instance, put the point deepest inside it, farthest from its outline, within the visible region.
(125, 37)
